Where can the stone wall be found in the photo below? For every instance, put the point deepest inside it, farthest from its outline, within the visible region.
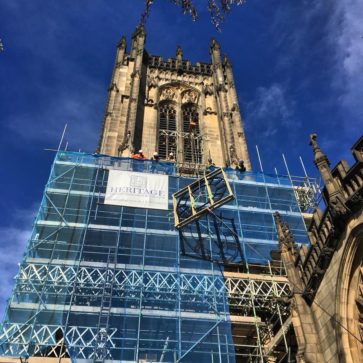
(329, 274)
(141, 81)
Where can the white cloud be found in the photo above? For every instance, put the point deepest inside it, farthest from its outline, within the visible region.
(13, 240)
(79, 111)
(347, 37)
(270, 111)
(60, 88)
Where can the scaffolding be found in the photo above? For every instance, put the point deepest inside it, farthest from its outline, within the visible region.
(308, 193)
(105, 283)
(187, 148)
(211, 237)
(200, 197)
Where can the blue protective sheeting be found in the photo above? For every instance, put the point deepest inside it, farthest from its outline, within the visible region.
(110, 280)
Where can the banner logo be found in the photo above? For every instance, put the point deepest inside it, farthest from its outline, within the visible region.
(139, 181)
(138, 190)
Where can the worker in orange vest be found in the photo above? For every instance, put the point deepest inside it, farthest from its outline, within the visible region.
(138, 155)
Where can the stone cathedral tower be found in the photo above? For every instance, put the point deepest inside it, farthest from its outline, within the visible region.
(109, 276)
(173, 106)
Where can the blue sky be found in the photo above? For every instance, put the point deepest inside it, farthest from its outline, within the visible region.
(298, 68)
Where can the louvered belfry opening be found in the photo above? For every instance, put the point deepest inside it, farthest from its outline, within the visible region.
(192, 140)
(167, 130)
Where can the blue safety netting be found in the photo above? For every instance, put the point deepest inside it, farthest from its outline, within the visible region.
(110, 281)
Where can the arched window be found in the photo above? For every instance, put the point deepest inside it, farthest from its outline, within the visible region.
(167, 130)
(192, 137)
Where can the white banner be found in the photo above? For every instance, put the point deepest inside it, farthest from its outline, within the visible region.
(139, 190)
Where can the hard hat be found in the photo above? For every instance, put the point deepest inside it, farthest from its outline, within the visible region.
(140, 151)
(155, 153)
(171, 154)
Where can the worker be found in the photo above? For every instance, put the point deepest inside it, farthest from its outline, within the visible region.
(171, 157)
(192, 125)
(155, 162)
(138, 155)
(241, 166)
(155, 157)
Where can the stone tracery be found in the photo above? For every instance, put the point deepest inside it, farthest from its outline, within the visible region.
(190, 96)
(145, 80)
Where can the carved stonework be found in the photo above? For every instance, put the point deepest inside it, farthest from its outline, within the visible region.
(149, 102)
(144, 80)
(221, 88)
(286, 239)
(336, 200)
(126, 144)
(337, 206)
(190, 96)
(168, 94)
(233, 154)
(235, 108)
(113, 87)
(271, 359)
(179, 53)
(359, 301)
(209, 111)
(356, 198)
(208, 89)
(135, 74)
(152, 81)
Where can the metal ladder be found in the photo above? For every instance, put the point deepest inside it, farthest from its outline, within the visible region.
(101, 350)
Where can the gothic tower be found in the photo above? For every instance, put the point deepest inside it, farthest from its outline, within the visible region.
(173, 106)
(108, 275)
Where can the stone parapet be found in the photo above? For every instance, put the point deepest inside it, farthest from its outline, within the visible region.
(326, 228)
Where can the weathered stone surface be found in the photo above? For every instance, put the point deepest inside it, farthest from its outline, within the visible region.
(141, 83)
(331, 271)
